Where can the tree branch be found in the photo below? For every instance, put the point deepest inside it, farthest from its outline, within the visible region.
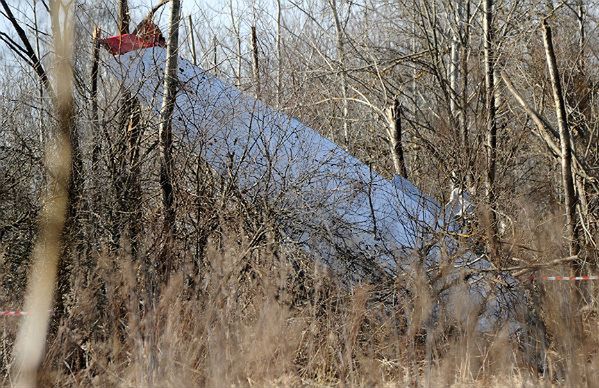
(27, 49)
(546, 131)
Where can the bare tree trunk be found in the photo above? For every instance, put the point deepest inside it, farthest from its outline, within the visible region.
(215, 55)
(133, 189)
(76, 180)
(193, 41)
(453, 75)
(124, 19)
(491, 141)
(454, 70)
(236, 25)
(544, 129)
(279, 55)
(255, 63)
(74, 236)
(548, 134)
(126, 173)
(165, 129)
(583, 209)
(565, 145)
(340, 47)
(458, 84)
(393, 114)
(42, 135)
(31, 339)
(93, 96)
(96, 139)
(463, 121)
(414, 84)
(581, 34)
(583, 204)
(567, 182)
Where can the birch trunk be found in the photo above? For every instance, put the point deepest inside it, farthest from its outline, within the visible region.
(193, 41)
(491, 141)
(279, 55)
(340, 47)
(236, 25)
(93, 96)
(565, 144)
(255, 63)
(393, 114)
(215, 55)
(581, 34)
(165, 129)
(463, 122)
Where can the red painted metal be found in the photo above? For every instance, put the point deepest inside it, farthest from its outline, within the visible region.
(146, 35)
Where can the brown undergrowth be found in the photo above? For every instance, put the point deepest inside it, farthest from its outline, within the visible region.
(257, 312)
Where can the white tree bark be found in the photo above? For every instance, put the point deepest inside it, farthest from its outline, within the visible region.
(394, 134)
(565, 142)
(166, 114)
(491, 141)
(341, 58)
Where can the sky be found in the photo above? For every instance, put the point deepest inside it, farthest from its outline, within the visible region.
(189, 7)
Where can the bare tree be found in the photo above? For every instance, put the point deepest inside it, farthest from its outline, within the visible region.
(31, 339)
(580, 15)
(165, 129)
(192, 42)
(255, 62)
(94, 95)
(124, 18)
(279, 54)
(125, 178)
(341, 69)
(393, 115)
(236, 26)
(24, 51)
(491, 142)
(565, 143)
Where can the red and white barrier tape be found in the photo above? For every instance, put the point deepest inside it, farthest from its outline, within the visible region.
(16, 313)
(570, 278)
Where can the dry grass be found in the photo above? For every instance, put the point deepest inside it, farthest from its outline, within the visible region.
(261, 315)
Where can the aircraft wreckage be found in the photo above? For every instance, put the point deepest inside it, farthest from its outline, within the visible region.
(362, 225)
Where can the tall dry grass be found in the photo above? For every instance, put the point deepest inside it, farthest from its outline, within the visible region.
(261, 314)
